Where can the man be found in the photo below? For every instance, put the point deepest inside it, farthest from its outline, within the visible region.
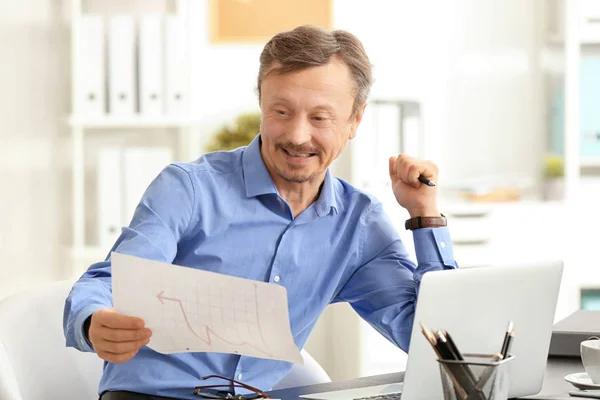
(272, 212)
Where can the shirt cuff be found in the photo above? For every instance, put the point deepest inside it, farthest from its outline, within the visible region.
(434, 245)
(82, 341)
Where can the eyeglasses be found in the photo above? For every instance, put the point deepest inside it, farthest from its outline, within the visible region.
(222, 391)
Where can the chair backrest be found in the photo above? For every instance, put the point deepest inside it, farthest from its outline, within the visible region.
(36, 364)
(34, 361)
(310, 373)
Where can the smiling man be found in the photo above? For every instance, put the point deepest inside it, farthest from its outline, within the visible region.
(272, 212)
(308, 116)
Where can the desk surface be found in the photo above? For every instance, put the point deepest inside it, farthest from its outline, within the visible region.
(554, 388)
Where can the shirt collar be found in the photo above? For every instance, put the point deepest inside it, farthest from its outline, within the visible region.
(256, 176)
(258, 181)
(327, 199)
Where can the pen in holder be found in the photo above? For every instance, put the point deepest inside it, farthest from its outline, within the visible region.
(476, 377)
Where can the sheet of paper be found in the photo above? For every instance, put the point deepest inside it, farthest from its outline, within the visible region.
(191, 310)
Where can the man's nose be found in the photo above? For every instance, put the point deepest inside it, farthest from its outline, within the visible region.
(299, 132)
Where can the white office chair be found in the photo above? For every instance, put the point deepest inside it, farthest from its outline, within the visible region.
(35, 364)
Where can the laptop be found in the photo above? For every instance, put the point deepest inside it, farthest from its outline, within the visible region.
(475, 305)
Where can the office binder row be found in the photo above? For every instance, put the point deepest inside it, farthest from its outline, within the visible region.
(388, 128)
(123, 175)
(125, 66)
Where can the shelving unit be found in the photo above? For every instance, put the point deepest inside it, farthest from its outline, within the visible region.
(579, 271)
(128, 122)
(574, 34)
(81, 253)
(590, 162)
(557, 39)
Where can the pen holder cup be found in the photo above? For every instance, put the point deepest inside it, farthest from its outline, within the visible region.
(477, 377)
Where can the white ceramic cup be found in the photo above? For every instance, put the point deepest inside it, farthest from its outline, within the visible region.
(590, 356)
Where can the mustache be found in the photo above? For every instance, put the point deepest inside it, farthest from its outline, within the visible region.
(292, 148)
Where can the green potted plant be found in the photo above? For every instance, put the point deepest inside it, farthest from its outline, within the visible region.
(241, 133)
(554, 172)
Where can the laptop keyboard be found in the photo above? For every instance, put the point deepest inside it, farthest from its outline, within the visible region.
(389, 396)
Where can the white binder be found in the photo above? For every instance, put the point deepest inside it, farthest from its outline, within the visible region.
(388, 135)
(387, 117)
(177, 96)
(411, 136)
(589, 27)
(121, 66)
(141, 165)
(89, 73)
(151, 65)
(109, 177)
(364, 152)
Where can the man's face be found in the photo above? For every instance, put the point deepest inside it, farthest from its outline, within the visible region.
(306, 120)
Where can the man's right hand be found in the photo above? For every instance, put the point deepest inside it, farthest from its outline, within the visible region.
(117, 338)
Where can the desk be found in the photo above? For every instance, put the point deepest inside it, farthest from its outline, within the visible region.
(554, 387)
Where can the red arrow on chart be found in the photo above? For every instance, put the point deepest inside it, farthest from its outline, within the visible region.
(208, 332)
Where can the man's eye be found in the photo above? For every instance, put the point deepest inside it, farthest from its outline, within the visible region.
(319, 118)
(280, 112)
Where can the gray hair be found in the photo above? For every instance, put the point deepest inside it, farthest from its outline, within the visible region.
(309, 46)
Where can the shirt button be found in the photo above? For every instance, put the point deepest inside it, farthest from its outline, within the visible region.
(276, 279)
(443, 244)
(240, 376)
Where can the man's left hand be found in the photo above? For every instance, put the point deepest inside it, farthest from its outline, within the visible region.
(419, 199)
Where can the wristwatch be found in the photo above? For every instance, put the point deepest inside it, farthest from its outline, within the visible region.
(425, 222)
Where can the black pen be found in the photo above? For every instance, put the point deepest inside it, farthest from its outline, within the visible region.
(509, 329)
(444, 347)
(462, 394)
(461, 371)
(426, 181)
(508, 344)
(457, 353)
(452, 345)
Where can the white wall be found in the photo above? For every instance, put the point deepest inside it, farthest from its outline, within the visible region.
(495, 96)
(34, 77)
(223, 78)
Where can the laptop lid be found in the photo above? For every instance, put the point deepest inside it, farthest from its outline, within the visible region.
(475, 305)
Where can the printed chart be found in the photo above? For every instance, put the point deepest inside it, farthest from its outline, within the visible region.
(191, 310)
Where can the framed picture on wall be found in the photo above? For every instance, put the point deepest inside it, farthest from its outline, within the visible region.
(256, 21)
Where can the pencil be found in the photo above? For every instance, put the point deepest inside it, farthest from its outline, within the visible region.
(433, 341)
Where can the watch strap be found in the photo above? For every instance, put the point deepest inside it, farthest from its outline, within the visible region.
(426, 222)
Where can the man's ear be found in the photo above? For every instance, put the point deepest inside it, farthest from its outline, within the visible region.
(356, 121)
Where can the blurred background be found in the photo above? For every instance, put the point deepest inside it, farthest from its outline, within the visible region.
(97, 96)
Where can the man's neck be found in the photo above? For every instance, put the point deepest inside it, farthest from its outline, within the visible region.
(300, 195)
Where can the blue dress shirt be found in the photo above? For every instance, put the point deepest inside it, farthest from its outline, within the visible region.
(223, 213)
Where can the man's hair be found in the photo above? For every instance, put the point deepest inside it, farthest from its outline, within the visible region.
(310, 46)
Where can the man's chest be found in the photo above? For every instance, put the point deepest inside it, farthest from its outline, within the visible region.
(309, 258)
